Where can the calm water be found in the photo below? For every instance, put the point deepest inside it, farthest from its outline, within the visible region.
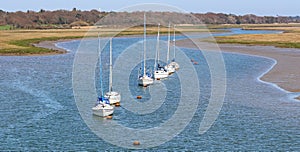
(38, 110)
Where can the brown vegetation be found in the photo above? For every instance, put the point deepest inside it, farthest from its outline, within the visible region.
(20, 41)
(65, 19)
(290, 38)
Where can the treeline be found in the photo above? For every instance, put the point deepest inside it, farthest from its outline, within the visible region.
(220, 18)
(66, 19)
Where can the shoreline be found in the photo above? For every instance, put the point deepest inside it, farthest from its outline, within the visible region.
(284, 74)
(51, 45)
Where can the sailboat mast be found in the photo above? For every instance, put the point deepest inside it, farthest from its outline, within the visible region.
(174, 45)
(110, 66)
(168, 53)
(100, 64)
(157, 49)
(144, 45)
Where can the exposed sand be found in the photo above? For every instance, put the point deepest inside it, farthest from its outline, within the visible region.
(285, 73)
(51, 45)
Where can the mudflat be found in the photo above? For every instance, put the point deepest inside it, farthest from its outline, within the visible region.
(285, 73)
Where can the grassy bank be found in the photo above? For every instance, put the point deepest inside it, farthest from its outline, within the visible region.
(286, 40)
(20, 42)
(290, 38)
(27, 47)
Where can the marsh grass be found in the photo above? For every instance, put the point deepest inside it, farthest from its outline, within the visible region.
(285, 40)
(20, 42)
(290, 38)
(26, 46)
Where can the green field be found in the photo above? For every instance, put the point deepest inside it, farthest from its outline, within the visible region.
(5, 27)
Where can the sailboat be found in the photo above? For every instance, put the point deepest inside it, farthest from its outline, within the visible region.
(102, 107)
(145, 79)
(174, 64)
(169, 68)
(159, 72)
(112, 96)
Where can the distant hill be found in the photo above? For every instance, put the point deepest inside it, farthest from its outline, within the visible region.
(66, 19)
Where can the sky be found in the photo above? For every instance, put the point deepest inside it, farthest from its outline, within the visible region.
(238, 7)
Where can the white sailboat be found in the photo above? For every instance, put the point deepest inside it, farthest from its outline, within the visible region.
(169, 68)
(102, 107)
(159, 72)
(145, 79)
(112, 96)
(174, 64)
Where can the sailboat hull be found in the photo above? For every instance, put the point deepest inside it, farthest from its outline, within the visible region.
(113, 97)
(160, 74)
(170, 69)
(145, 81)
(103, 110)
(175, 65)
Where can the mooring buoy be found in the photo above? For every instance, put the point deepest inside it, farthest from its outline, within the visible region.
(117, 104)
(136, 143)
(109, 117)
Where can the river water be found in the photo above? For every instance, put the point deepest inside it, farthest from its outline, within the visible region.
(38, 109)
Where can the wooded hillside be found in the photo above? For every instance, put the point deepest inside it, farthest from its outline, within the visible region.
(67, 19)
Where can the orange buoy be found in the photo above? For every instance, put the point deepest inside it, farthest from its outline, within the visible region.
(136, 143)
(195, 63)
(109, 117)
(117, 104)
(139, 97)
